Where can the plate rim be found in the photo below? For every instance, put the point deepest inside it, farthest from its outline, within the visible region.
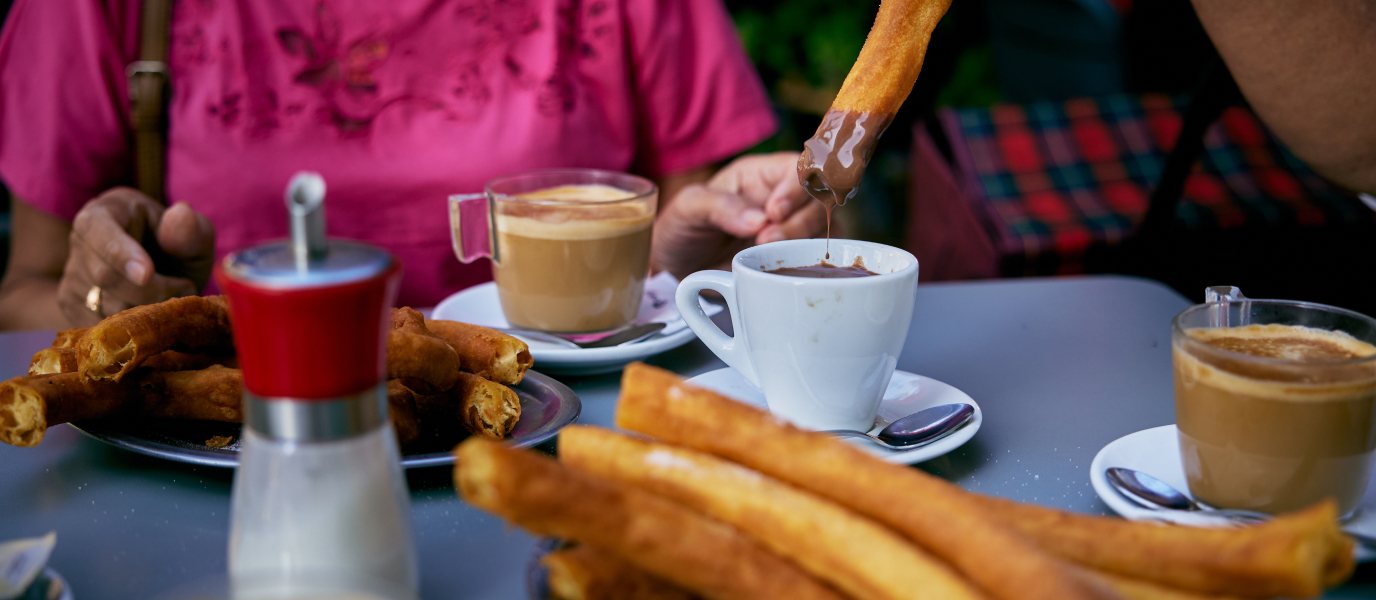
(571, 407)
(923, 454)
(570, 357)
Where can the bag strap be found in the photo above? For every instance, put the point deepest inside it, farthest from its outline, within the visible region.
(148, 100)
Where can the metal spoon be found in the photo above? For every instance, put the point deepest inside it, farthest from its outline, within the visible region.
(918, 429)
(1150, 492)
(620, 338)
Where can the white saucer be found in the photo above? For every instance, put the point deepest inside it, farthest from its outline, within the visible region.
(1156, 452)
(479, 305)
(907, 394)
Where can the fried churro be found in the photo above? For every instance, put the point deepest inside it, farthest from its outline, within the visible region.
(854, 554)
(122, 342)
(428, 363)
(654, 534)
(881, 79)
(30, 405)
(586, 573)
(484, 352)
(211, 394)
(401, 409)
(998, 560)
(51, 361)
(1295, 555)
(67, 338)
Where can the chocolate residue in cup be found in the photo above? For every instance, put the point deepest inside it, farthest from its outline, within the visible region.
(826, 270)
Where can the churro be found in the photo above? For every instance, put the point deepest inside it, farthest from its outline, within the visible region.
(475, 405)
(934, 513)
(30, 405)
(50, 361)
(1295, 555)
(586, 573)
(428, 363)
(67, 338)
(484, 352)
(881, 79)
(656, 535)
(854, 554)
(401, 409)
(122, 342)
(210, 394)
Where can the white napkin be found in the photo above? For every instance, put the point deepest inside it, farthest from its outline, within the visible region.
(21, 561)
(658, 304)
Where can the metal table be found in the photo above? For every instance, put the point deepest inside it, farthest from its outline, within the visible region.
(1061, 367)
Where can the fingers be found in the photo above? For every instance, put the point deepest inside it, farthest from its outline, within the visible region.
(701, 207)
(807, 222)
(107, 251)
(111, 229)
(185, 233)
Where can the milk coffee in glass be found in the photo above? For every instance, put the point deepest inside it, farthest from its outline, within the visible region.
(571, 249)
(1275, 403)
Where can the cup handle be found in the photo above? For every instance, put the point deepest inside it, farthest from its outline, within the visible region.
(1220, 315)
(731, 350)
(472, 227)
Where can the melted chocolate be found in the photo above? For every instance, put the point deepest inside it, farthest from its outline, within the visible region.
(834, 158)
(825, 270)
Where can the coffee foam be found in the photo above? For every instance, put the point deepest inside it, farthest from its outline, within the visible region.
(575, 221)
(1295, 344)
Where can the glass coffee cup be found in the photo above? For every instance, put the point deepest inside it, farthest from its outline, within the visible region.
(570, 248)
(1275, 403)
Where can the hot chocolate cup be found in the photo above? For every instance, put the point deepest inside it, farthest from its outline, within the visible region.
(1275, 403)
(570, 248)
(821, 349)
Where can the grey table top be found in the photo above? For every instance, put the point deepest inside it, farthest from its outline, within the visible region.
(1061, 367)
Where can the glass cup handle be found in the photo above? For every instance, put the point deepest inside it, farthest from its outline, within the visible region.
(472, 227)
(1221, 315)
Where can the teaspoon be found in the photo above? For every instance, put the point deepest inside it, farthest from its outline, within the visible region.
(620, 338)
(918, 429)
(1153, 493)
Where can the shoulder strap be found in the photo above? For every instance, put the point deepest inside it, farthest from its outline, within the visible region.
(148, 99)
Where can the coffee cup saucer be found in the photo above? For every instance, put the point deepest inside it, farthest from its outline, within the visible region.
(479, 305)
(907, 393)
(1156, 452)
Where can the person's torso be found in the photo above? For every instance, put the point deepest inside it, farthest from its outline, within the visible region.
(397, 104)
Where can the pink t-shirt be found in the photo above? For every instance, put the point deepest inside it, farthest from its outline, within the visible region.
(398, 104)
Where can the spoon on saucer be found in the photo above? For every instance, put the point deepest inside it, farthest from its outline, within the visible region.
(1150, 492)
(918, 429)
(626, 336)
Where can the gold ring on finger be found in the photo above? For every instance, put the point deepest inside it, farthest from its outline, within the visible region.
(93, 297)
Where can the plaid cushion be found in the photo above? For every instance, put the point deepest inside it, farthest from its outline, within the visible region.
(1060, 178)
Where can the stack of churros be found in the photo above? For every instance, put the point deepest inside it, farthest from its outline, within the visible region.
(708, 497)
(176, 360)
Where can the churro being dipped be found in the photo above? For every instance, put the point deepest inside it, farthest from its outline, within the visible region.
(484, 352)
(122, 342)
(586, 573)
(834, 158)
(999, 561)
(427, 363)
(854, 554)
(656, 535)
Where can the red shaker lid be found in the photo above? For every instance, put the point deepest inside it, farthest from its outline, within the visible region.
(310, 315)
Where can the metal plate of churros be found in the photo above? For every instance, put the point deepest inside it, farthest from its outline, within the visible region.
(546, 407)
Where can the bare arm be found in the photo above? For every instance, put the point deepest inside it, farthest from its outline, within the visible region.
(38, 249)
(1308, 67)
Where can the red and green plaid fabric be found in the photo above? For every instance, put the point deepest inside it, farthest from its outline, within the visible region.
(1062, 177)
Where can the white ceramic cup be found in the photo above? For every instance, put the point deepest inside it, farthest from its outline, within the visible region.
(821, 350)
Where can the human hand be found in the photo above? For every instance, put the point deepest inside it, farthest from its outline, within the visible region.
(114, 242)
(755, 199)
